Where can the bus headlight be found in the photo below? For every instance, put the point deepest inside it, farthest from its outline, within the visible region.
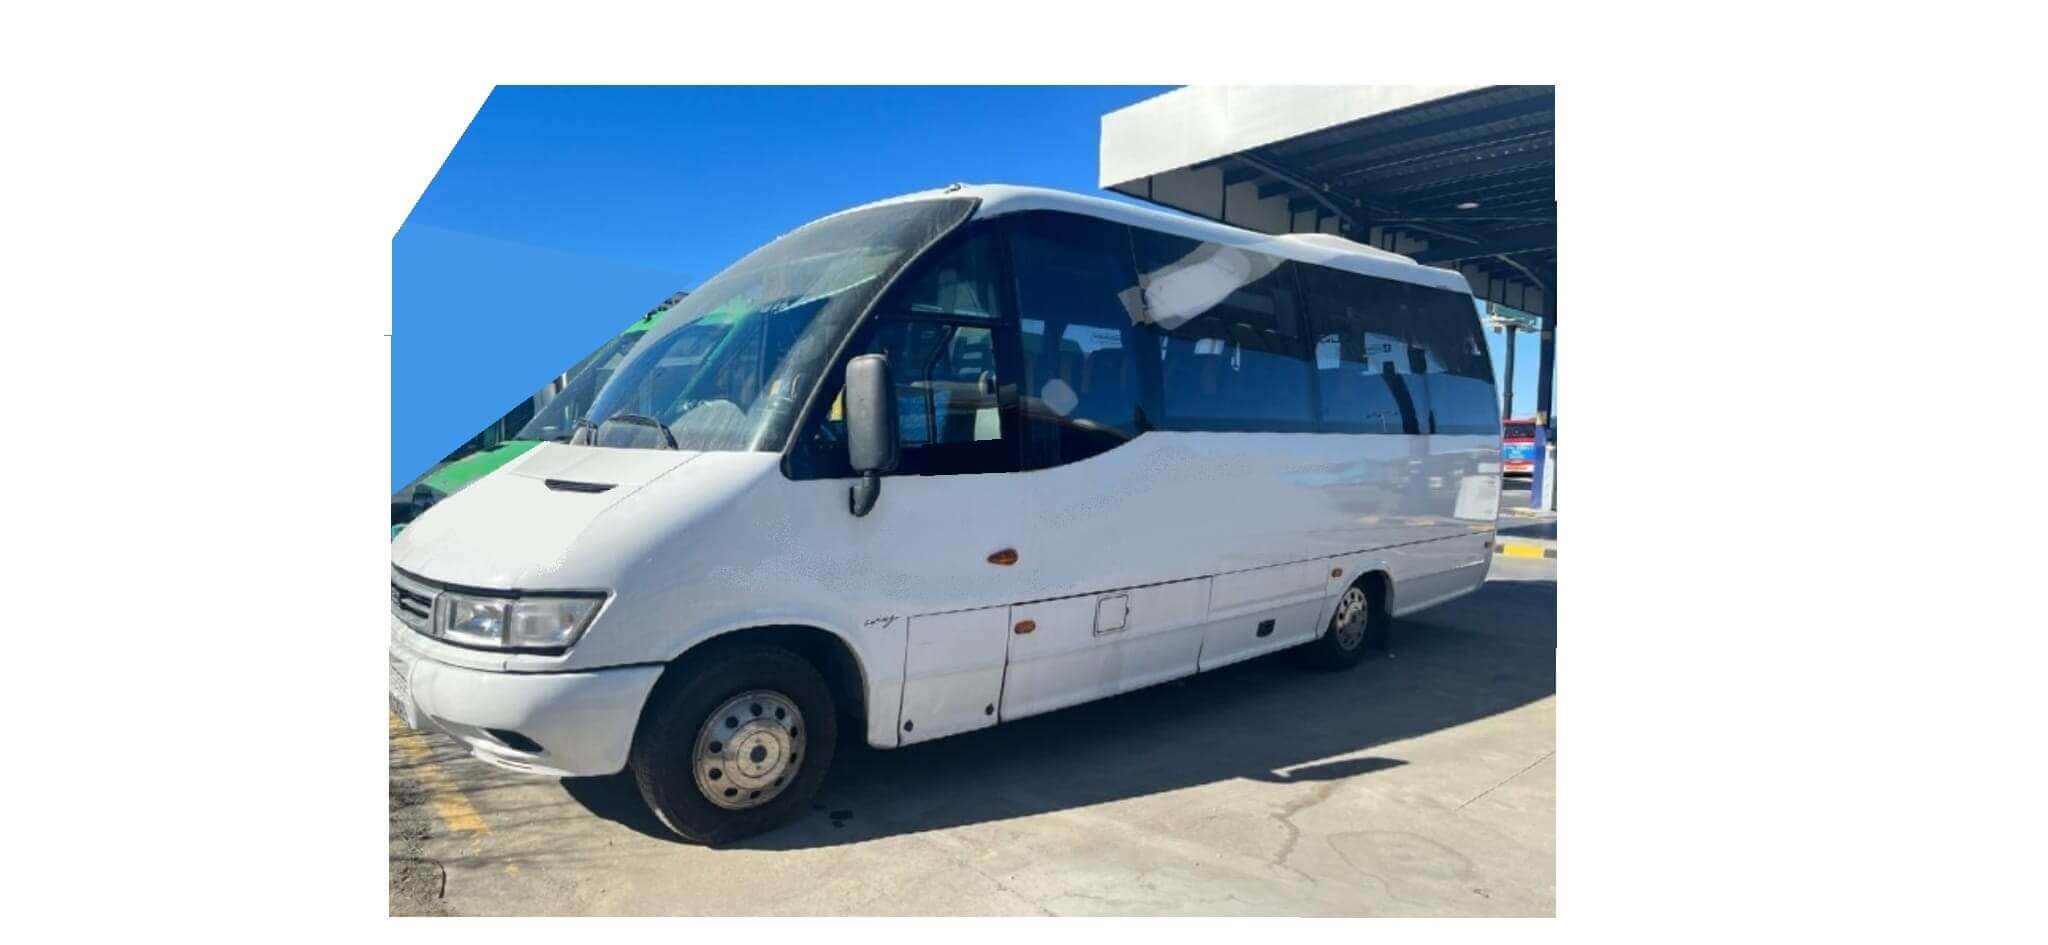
(514, 623)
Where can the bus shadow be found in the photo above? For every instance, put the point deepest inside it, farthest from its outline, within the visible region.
(1265, 719)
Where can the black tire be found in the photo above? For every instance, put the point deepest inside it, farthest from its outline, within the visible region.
(1338, 649)
(666, 748)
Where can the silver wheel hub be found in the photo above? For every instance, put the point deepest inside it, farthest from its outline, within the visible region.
(749, 749)
(1350, 620)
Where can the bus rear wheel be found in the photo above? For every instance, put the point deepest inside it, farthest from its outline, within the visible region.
(737, 745)
(1360, 625)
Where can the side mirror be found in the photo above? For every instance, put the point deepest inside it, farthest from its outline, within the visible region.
(870, 428)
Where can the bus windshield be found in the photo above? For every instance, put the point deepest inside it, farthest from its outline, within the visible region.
(731, 365)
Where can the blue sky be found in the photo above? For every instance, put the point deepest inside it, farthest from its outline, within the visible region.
(563, 213)
(689, 178)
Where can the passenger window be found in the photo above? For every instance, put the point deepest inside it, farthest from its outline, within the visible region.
(1448, 330)
(1084, 365)
(1236, 355)
(1365, 365)
(1463, 405)
(1462, 398)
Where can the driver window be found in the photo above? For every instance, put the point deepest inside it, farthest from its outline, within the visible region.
(945, 382)
(963, 285)
(946, 340)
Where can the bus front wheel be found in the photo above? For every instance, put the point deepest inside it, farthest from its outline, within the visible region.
(737, 745)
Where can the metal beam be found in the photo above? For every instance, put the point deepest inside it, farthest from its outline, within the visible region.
(1349, 216)
(1475, 149)
(1496, 245)
(1387, 181)
(1372, 143)
(1352, 210)
(1510, 184)
(1525, 271)
(1274, 188)
(1456, 218)
(1233, 176)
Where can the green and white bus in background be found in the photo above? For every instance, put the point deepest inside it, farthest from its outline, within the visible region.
(549, 414)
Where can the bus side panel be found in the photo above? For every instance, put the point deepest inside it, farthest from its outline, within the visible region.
(1433, 572)
(1170, 506)
(953, 673)
(1163, 636)
(1076, 651)
(1254, 612)
(1457, 563)
(1059, 662)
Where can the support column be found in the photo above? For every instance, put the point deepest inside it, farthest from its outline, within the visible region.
(1546, 425)
(1507, 393)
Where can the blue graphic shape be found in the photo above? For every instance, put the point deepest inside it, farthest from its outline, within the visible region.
(479, 324)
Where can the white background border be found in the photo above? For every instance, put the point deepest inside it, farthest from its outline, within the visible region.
(1796, 684)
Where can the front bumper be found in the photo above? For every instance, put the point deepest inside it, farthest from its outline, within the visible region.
(582, 722)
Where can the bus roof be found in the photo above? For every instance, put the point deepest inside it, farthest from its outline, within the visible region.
(1321, 249)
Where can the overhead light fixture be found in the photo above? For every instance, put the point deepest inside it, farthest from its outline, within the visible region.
(1469, 205)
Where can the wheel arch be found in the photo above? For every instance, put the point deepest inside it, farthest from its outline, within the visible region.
(1379, 583)
(1378, 586)
(829, 652)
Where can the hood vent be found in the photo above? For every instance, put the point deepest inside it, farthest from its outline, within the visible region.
(571, 485)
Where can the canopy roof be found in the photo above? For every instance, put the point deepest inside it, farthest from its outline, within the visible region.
(1453, 176)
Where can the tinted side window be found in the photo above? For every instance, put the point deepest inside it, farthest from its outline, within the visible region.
(1236, 351)
(1365, 365)
(1083, 353)
(1447, 329)
(1463, 405)
(1460, 374)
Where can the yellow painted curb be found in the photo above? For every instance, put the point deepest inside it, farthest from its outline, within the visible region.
(449, 802)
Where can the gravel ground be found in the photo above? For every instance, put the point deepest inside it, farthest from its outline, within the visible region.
(417, 883)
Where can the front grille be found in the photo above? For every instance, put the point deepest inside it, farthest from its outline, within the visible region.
(411, 602)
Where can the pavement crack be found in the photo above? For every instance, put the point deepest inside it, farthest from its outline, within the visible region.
(978, 871)
(1525, 770)
(1285, 815)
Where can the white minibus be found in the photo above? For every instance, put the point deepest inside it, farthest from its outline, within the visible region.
(955, 458)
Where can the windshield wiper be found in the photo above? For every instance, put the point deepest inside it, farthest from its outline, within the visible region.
(637, 419)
